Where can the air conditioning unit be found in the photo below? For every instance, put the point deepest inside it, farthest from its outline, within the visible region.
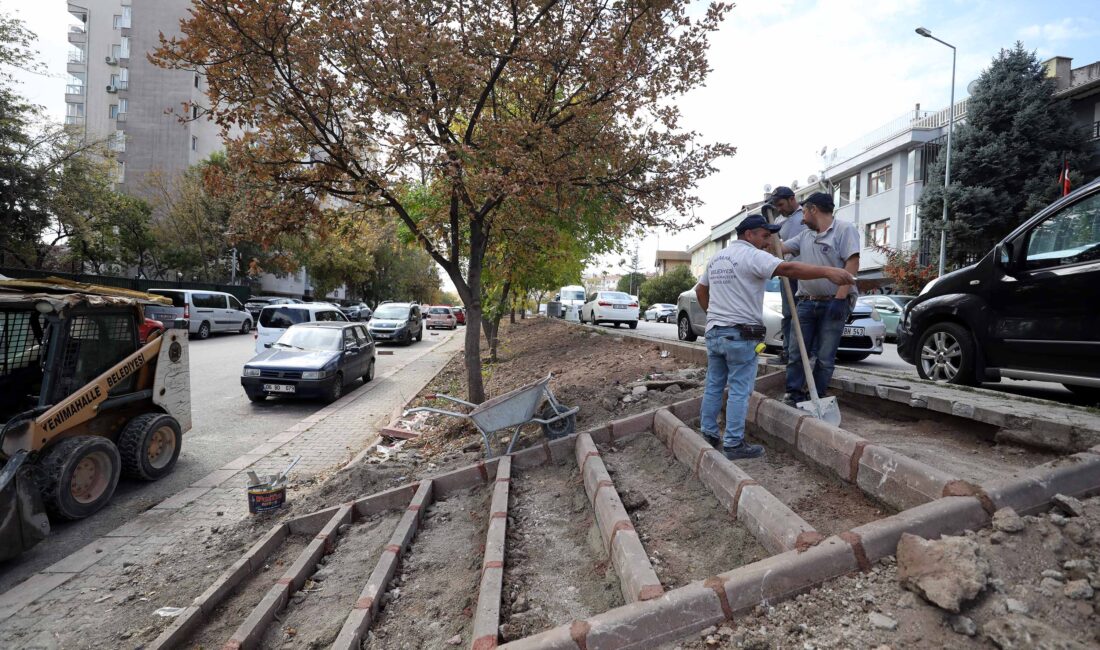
(111, 88)
(110, 60)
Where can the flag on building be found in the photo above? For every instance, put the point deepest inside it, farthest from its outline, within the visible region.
(1063, 178)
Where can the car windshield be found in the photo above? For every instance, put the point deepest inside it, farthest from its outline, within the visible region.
(283, 316)
(395, 312)
(439, 310)
(572, 295)
(311, 338)
(614, 295)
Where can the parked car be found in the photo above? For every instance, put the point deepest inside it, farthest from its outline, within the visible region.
(1027, 310)
(890, 308)
(315, 359)
(256, 303)
(207, 311)
(661, 312)
(863, 333)
(460, 314)
(358, 312)
(610, 307)
(276, 319)
(440, 316)
(397, 321)
(148, 328)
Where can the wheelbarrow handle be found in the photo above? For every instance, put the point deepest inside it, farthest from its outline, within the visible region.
(559, 416)
(450, 399)
(429, 409)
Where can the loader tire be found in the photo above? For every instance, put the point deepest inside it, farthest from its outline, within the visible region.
(78, 476)
(149, 446)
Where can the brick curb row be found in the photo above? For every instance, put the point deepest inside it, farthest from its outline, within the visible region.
(637, 578)
(487, 615)
(771, 522)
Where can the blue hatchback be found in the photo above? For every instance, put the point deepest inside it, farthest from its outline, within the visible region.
(311, 360)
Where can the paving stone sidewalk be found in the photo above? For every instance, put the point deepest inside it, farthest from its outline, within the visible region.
(68, 591)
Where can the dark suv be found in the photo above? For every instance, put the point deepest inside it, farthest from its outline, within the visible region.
(1027, 310)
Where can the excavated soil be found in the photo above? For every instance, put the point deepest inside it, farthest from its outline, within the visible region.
(217, 629)
(555, 567)
(959, 446)
(684, 529)
(1028, 585)
(317, 611)
(433, 596)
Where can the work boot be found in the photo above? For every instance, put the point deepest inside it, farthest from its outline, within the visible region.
(713, 441)
(742, 451)
(791, 400)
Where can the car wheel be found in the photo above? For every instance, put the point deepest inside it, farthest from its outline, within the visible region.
(246, 327)
(370, 372)
(683, 329)
(946, 354)
(204, 330)
(78, 476)
(256, 397)
(1091, 393)
(336, 390)
(633, 324)
(851, 357)
(149, 446)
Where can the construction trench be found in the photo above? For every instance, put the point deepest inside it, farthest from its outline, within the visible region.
(638, 531)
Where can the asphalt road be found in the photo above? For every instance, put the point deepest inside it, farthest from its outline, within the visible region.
(225, 425)
(890, 361)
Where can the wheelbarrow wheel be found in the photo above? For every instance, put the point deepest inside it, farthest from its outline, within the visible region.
(559, 428)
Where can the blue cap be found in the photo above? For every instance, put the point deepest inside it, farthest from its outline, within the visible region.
(756, 221)
(782, 192)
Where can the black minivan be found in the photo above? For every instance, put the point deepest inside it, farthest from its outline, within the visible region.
(1030, 309)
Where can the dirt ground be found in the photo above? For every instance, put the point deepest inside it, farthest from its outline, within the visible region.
(317, 611)
(684, 529)
(432, 598)
(1029, 585)
(556, 568)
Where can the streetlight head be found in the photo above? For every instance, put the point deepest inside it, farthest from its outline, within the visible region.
(924, 32)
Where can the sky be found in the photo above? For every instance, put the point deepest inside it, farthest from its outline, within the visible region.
(788, 79)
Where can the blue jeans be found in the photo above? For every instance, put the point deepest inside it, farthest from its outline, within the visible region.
(731, 362)
(822, 326)
(785, 326)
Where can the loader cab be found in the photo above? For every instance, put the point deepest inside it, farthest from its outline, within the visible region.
(22, 341)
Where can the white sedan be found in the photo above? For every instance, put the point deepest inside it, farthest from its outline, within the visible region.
(610, 307)
(660, 312)
(863, 333)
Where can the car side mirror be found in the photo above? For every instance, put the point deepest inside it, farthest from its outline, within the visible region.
(1004, 256)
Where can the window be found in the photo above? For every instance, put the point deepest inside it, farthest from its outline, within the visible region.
(208, 300)
(914, 169)
(194, 143)
(912, 223)
(349, 340)
(116, 51)
(846, 191)
(878, 233)
(879, 180)
(123, 105)
(116, 21)
(125, 18)
(328, 316)
(75, 85)
(117, 141)
(120, 172)
(113, 111)
(235, 304)
(74, 110)
(282, 317)
(124, 48)
(196, 80)
(194, 111)
(362, 335)
(1071, 236)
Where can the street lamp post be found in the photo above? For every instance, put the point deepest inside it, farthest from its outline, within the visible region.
(950, 127)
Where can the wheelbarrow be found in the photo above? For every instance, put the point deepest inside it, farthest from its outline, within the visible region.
(513, 409)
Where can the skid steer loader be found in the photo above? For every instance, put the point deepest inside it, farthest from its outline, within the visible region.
(82, 402)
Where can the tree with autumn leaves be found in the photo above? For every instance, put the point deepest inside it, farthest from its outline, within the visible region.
(508, 113)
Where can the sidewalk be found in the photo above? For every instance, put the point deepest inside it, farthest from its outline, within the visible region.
(50, 609)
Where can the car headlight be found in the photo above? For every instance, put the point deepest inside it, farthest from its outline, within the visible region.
(251, 372)
(315, 374)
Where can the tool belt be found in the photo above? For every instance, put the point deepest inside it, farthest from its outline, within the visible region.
(753, 332)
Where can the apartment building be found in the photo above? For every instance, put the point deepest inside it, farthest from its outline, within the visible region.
(116, 95)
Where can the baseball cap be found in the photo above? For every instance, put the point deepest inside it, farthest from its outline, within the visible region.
(782, 192)
(821, 200)
(756, 221)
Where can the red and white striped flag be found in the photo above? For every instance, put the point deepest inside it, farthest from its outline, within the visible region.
(1063, 178)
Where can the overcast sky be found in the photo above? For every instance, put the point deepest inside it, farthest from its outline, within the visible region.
(789, 78)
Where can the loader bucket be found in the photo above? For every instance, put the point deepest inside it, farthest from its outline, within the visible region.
(23, 521)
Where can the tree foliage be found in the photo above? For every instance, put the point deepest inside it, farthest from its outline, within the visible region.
(904, 269)
(1006, 156)
(630, 282)
(492, 106)
(668, 287)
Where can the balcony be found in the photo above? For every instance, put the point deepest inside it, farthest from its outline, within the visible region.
(77, 34)
(121, 117)
(910, 121)
(74, 94)
(74, 120)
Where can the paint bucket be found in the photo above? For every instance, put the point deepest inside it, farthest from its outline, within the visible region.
(265, 498)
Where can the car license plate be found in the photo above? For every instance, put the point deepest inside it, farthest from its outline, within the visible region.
(620, 306)
(854, 331)
(279, 388)
(379, 335)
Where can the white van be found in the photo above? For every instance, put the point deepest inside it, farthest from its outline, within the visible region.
(207, 311)
(275, 319)
(572, 299)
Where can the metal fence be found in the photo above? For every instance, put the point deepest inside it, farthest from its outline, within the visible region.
(241, 292)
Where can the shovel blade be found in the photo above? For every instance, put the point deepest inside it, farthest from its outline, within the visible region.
(830, 410)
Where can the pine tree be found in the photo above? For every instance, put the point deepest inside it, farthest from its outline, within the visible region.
(1006, 157)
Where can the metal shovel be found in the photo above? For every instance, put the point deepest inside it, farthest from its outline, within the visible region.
(822, 408)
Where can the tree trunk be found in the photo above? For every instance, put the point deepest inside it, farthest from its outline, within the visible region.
(471, 287)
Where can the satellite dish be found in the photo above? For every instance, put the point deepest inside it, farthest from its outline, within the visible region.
(971, 87)
(812, 179)
(823, 150)
(767, 188)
